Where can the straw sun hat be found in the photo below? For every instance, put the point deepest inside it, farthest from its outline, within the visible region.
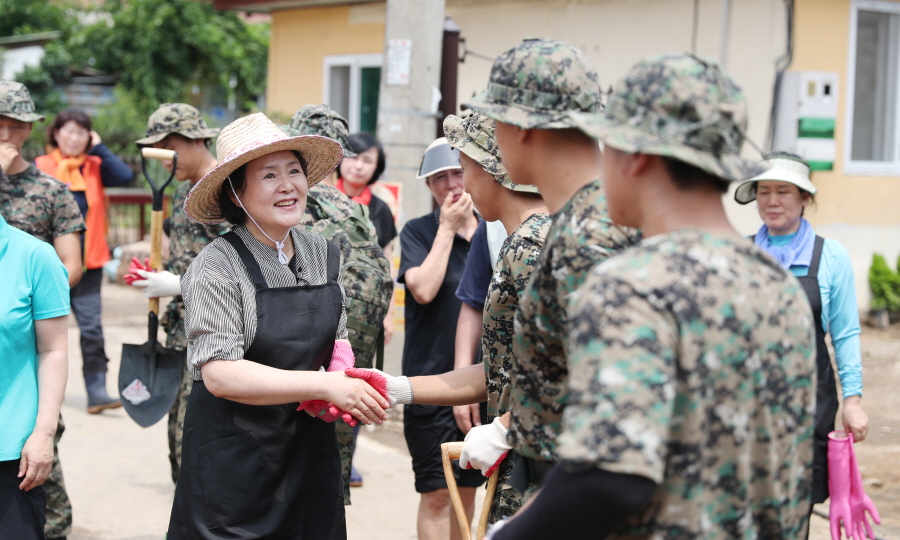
(246, 139)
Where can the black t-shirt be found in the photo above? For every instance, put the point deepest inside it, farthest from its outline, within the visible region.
(476, 278)
(430, 328)
(383, 219)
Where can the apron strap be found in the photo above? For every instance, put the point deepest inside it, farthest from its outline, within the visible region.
(334, 261)
(247, 258)
(816, 257)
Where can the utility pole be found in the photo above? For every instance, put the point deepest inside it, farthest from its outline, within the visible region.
(408, 96)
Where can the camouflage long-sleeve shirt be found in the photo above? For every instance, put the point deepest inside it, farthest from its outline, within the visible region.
(691, 362)
(188, 238)
(40, 205)
(581, 236)
(515, 263)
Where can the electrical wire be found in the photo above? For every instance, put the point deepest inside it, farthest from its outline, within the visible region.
(781, 66)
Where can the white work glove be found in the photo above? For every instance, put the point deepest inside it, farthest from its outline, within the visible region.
(493, 528)
(485, 448)
(157, 284)
(397, 390)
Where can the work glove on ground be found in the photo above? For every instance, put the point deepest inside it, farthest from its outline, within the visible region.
(839, 447)
(397, 390)
(341, 359)
(485, 448)
(860, 503)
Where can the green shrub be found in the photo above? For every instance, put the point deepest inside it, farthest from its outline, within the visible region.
(885, 285)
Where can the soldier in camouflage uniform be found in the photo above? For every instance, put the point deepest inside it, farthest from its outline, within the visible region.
(525, 217)
(45, 208)
(179, 127)
(692, 356)
(324, 121)
(532, 88)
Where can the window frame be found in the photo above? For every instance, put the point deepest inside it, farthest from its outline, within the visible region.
(356, 62)
(859, 167)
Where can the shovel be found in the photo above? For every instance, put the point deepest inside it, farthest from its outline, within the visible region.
(449, 452)
(150, 374)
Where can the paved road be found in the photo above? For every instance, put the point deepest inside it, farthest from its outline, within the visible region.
(117, 473)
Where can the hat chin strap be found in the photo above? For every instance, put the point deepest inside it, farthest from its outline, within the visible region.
(282, 258)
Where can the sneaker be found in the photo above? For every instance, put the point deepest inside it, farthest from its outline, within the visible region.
(355, 478)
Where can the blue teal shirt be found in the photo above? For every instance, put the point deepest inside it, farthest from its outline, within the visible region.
(35, 287)
(840, 315)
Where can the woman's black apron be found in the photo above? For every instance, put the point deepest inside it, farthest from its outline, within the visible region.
(826, 389)
(253, 472)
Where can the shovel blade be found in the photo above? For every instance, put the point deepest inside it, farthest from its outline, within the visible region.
(157, 371)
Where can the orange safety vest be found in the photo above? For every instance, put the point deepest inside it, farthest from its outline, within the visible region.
(96, 250)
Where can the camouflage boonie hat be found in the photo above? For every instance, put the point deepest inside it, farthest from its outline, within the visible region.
(322, 120)
(678, 106)
(474, 137)
(179, 118)
(534, 85)
(15, 102)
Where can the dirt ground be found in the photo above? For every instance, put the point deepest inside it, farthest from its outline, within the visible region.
(118, 474)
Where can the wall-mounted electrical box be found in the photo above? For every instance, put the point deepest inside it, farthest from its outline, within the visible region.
(807, 109)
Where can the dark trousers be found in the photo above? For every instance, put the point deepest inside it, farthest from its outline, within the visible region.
(21, 512)
(86, 306)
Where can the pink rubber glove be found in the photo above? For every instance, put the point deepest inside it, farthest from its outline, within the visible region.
(397, 390)
(342, 357)
(839, 450)
(133, 268)
(860, 503)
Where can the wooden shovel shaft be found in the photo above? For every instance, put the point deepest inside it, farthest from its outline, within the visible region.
(157, 153)
(156, 228)
(449, 452)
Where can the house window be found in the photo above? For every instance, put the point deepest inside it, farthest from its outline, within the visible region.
(873, 140)
(351, 88)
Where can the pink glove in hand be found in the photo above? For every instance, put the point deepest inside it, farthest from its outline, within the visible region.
(375, 379)
(860, 503)
(342, 357)
(839, 449)
(136, 265)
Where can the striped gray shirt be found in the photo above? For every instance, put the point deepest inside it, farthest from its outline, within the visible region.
(220, 298)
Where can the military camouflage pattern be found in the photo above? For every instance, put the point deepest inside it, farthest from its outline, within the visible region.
(516, 261)
(15, 102)
(322, 120)
(187, 239)
(474, 136)
(40, 205)
(679, 106)
(59, 508)
(179, 118)
(692, 361)
(535, 84)
(581, 236)
(346, 441)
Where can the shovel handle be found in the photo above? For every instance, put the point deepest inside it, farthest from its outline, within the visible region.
(449, 452)
(157, 153)
(156, 229)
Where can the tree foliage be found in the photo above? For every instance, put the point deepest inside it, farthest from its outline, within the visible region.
(162, 48)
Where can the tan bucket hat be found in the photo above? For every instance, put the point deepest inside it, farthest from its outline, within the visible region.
(246, 139)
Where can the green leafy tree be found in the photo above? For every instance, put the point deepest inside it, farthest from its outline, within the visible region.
(162, 48)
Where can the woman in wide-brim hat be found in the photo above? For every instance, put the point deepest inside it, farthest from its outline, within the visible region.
(263, 312)
(782, 194)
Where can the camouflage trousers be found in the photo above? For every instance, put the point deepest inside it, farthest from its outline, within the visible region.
(59, 508)
(346, 443)
(507, 500)
(176, 422)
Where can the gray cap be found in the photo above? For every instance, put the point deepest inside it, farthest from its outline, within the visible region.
(439, 156)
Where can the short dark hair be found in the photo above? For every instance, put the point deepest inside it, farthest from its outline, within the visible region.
(688, 177)
(206, 141)
(69, 115)
(359, 143)
(233, 213)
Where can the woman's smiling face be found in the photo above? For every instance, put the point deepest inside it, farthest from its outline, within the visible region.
(274, 191)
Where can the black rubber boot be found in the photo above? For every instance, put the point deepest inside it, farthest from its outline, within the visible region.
(98, 399)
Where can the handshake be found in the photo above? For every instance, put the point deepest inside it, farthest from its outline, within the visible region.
(394, 389)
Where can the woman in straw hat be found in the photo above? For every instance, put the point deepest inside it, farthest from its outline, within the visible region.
(263, 312)
(782, 193)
